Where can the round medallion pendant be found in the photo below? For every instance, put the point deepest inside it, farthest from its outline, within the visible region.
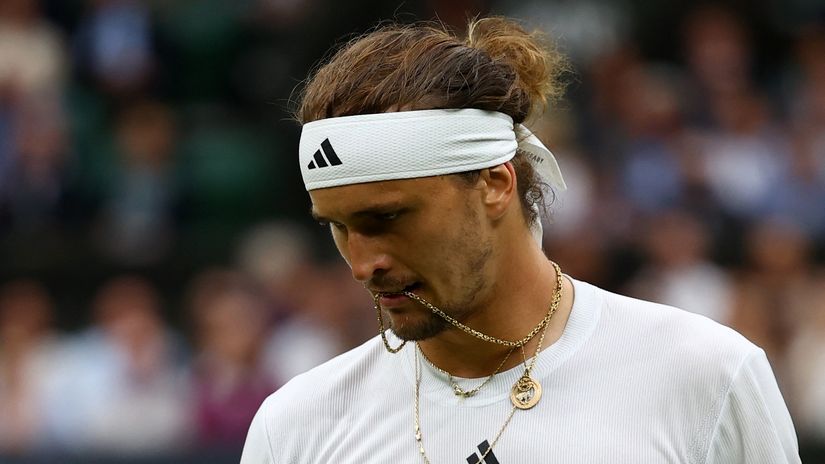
(526, 393)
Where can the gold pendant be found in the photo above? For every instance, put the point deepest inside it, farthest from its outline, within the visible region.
(526, 393)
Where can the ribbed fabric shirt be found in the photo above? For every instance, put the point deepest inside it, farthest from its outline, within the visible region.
(629, 381)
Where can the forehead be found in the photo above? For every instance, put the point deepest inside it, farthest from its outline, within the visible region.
(334, 202)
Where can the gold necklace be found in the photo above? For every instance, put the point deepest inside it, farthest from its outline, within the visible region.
(381, 329)
(469, 330)
(526, 392)
(529, 401)
(457, 390)
(418, 435)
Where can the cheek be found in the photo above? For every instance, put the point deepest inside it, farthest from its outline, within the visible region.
(467, 253)
(447, 247)
(445, 256)
(340, 240)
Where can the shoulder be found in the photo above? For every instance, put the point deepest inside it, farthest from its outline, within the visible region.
(682, 332)
(315, 400)
(712, 377)
(688, 352)
(345, 372)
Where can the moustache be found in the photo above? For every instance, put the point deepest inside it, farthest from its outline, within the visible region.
(379, 285)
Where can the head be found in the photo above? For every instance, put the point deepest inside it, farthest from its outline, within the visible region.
(229, 317)
(26, 313)
(446, 237)
(128, 309)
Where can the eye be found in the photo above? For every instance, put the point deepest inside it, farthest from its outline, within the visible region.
(387, 216)
(331, 224)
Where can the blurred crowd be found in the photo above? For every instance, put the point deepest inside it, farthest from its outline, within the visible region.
(130, 385)
(159, 275)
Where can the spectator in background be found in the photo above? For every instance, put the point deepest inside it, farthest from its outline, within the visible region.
(806, 366)
(125, 381)
(587, 29)
(678, 270)
(277, 257)
(32, 125)
(808, 104)
(649, 112)
(745, 157)
(777, 290)
(28, 355)
(32, 52)
(229, 320)
(34, 186)
(114, 45)
(331, 319)
(140, 192)
(718, 54)
(802, 199)
(743, 153)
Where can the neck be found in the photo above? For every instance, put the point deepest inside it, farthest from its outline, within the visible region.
(513, 307)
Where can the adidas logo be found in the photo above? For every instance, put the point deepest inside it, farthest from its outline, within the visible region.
(318, 159)
(489, 457)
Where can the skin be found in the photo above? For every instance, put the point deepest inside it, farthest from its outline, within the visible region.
(468, 250)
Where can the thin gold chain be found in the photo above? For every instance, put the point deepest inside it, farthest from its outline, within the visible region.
(381, 328)
(529, 368)
(417, 422)
(455, 386)
(418, 435)
(419, 438)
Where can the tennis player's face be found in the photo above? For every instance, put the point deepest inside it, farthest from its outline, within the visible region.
(428, 236)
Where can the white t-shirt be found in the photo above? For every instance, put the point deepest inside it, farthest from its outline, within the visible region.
(628, 382)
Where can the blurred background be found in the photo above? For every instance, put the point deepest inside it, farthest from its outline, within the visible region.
(160, 275)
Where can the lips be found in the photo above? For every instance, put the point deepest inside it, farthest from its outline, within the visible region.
(390, 301)
(394, 298)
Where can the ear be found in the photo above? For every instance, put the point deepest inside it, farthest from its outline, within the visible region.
(499, 189)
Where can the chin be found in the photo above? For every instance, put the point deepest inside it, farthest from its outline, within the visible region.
(418, 330)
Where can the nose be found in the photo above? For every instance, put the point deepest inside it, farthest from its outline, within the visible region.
(365, 257)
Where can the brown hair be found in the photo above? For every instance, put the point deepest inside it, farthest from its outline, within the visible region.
(497, 67)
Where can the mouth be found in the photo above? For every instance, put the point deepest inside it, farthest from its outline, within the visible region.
(390, 299)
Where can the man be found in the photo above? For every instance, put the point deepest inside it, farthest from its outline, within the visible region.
(414, 152)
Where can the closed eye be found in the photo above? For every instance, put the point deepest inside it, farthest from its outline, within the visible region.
(332, 224)
(371, 221)
(387, 216)
(326, 223)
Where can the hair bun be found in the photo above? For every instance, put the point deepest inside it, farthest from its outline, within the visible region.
(537, 65)
(497, 66)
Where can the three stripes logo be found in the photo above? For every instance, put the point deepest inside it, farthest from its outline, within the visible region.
(483, 447)
(321, 161)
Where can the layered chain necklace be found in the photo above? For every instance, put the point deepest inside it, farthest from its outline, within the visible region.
(457, 389)
(469, 330)
(524, 394)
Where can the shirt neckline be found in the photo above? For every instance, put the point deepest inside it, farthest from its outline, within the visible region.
(584, 317)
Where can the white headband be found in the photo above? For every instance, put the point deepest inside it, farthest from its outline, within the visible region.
(409, 144)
